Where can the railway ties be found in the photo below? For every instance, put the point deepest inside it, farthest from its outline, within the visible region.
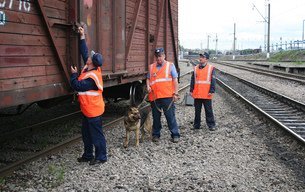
(279, 74)
(287, 113)
(289, 116)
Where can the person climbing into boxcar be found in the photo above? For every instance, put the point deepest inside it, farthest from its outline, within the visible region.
(89, 85)
(202, 88)
(162, 85)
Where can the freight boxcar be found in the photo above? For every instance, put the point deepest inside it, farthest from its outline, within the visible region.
(39, 43)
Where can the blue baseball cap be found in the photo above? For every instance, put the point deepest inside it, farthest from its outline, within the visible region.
(97, 59)
(205, 54)
(159, 51)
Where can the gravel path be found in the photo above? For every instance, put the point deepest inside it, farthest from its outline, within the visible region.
(243, 154)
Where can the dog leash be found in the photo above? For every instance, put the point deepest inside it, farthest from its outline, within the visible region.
(160, 110)
(181, 102)
(144, 99)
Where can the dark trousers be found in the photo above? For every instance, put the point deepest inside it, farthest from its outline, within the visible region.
(209, 116)
(169, 113)
(92, 134)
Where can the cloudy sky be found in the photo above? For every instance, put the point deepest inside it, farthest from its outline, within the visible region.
(199, 19)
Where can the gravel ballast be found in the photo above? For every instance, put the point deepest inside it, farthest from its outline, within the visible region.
(288, 88)
(245, 153)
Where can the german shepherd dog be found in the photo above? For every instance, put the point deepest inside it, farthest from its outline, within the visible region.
(136, 121)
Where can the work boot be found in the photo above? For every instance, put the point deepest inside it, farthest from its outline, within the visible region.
(96, 161)
(83, 159)
(156, 139)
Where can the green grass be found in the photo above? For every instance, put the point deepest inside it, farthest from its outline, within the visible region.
(2, 183)
(58, 173)
(294, 55)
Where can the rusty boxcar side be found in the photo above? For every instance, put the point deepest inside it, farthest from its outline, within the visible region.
(38, 43)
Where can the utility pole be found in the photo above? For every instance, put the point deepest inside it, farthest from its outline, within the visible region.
(265, 26)
(268, 22)
(234, 41)
(208, 42)
(268, 40)
(216, 40)
(303, 32)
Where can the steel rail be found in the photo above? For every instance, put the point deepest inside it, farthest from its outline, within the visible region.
(10, 168)
(5, 136)
(184, 74)
(292, 77)
(278, 114)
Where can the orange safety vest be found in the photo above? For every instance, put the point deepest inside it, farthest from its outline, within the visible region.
(91, 102)
(202, 82)
(161, 81)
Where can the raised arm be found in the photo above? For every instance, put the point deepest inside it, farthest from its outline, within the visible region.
(83, 46)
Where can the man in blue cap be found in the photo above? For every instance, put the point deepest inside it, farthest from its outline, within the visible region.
(162, 85)
(202, 88)
(89, 86)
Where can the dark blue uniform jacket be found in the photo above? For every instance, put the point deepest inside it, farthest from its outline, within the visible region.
(86, 84)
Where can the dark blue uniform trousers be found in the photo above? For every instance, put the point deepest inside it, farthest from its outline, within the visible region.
(92, 134)
(163, 103)
(209, 116)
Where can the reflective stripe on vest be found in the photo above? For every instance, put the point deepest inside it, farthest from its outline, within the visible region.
(95, 78)
(167, 65)
(202, 82)
(208, 76)
(91, 101)
(161, 82)
(91, 93)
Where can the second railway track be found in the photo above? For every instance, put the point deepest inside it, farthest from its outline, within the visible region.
(289, 76)
(287, 113)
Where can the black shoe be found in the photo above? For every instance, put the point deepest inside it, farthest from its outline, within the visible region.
(96, 161)
(83, 159)
(212, 128)
(156, 139)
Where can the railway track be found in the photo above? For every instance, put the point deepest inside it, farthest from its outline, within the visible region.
(13, 166)
(26, 144)
(279, 74)
(285, 112)
(40, 125)
(31, 152)
(7, 135)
